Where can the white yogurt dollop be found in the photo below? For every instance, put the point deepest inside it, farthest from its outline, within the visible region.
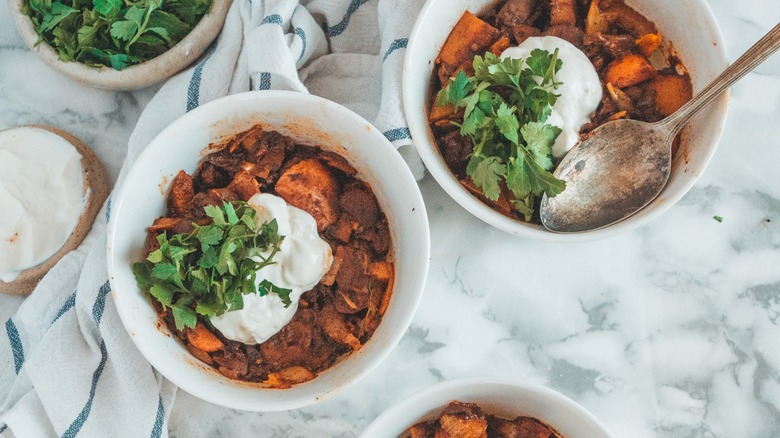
(41, 197)
(300, 264)
(580, 92)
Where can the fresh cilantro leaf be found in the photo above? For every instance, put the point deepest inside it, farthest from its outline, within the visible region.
(118, 60)
(209, 259)
(507, 123)
(266, 287)
(486, 174)
(476, 119)
(57, 13)
(457, 89)
(184, 317)
(525, 206)
(163, 271)
(234, 300)
(143, 275)
(189, 11)
(506, 71)
(86, 35)
(543, 63)
(538, 104)
(156, 256)
(124, 30)
(216, 214)
(167, 25)
(527, 177)
(208, 308)
(176, 252)
(539, 139)
(108, 8)
(209, 235)
(161, 293)
(231, 215)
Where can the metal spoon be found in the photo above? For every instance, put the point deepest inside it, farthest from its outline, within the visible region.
(623, 165)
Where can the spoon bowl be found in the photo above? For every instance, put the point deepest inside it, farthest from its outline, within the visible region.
(620, 168)
(623, 165)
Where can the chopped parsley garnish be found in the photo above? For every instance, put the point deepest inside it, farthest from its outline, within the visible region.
(506, 104)
(114, 33)
(718, 218)
(208, 271)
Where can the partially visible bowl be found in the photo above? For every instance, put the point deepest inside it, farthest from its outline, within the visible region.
(133, 77)
(307, 120)
(503, 398)
(691, 28)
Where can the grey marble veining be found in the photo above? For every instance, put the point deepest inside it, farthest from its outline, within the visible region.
(672, 330)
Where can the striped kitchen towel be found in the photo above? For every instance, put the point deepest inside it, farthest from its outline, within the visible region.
(67, 366)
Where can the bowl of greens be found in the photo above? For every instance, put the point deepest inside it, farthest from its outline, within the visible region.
(119, 45)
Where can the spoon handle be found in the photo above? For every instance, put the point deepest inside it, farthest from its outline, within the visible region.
(757, 54)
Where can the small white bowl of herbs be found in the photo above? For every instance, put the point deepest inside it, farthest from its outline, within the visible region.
(115, 44)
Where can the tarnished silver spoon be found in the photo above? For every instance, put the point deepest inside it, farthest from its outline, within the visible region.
(623, 165)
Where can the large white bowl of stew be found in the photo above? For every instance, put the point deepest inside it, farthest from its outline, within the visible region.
(323, 162)
(486, 407)
(650, 57)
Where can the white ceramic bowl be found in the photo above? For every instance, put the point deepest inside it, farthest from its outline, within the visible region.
(505, 399)
(308, 120)
(696, 38)
(137, 76)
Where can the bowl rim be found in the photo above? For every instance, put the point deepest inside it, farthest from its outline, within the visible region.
(133, 77)
(435, 397)
(271, 403)
(419, 128)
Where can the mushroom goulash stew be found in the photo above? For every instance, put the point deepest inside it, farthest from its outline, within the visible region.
(517, 87)
(272, 261)
(467, 420)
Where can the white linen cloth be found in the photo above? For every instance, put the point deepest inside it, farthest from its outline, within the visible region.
(67, 366)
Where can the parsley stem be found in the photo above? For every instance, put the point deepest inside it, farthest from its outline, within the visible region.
(551, 69)
(142, 29)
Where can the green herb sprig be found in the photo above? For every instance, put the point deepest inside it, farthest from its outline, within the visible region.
(506, 105)
(114, 33)
(208, 271)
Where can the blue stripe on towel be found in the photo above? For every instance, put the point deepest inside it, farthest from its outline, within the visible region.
(69, 303)
(342, 25)
(158, 422)
(265, 81)
(397, 134)
(273, 19)
(78, 423)
(100, 302)
(400, 43)
(97, 314)
(302, 35)
(193, 91)
(16, 344)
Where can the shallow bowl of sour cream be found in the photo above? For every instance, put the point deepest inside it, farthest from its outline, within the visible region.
(307, 120)
(691, 29)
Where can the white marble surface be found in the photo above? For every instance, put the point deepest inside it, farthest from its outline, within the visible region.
(672, 330)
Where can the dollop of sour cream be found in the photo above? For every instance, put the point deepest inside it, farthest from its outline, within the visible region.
(300, 264)
(580, 93)
(41, 197)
